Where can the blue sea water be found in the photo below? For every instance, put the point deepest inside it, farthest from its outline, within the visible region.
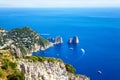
(98, 30)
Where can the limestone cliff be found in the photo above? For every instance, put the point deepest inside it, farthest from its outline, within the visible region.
(47, 70)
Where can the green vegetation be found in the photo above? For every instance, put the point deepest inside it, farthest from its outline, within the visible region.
(41, 59)
(5, 64)
(16, 76)
(70, 68)
(13, 65)
(44, 41)
(23, 50)
(8, 64)
(1, 54)
(6, 48)
(26, 36)
(23, 38)
(3, 38)
(8, 68)
(2, 73)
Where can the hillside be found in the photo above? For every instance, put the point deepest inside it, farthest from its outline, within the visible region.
(22, 41)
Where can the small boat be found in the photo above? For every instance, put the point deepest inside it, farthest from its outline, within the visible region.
(71, 48)
(45, 34)
(83, 51)
(99, 72)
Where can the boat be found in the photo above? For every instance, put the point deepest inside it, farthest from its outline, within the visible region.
(99, 72)
(83, 51)
(71, 48)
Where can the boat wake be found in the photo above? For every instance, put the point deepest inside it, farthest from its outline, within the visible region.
(83, 51)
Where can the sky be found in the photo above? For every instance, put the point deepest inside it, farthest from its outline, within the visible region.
(59, 3)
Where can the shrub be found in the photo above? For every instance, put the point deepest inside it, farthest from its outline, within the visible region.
(51, 60)
(59, 60)
(13, 65)
(16, 76)
(5, 48)
(33, 58)
(1, 54)
(2, 73)
(70, 68)
(41, 59)
(5, 64)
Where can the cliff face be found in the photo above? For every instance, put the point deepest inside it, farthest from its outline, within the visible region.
(47, 71)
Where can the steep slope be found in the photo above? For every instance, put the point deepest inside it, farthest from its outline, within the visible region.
(40, 68)
(35, 68)
(22, 41)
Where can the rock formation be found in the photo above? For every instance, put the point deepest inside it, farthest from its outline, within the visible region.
(70, 40)
(47, 71)
(58, 40)
(74, 40)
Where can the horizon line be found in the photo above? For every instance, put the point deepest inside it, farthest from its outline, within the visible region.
(65, 7)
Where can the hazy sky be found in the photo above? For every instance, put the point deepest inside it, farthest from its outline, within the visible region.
(59, 3)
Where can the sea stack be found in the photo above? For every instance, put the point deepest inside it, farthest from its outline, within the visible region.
(70, 41)
(74, 40)
(58, 40)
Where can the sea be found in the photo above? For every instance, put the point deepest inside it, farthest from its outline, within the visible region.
(98, 30)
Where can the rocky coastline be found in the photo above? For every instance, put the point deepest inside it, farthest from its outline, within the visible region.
(39, 48)
(19, 44)
(23, 41)
(47, 71)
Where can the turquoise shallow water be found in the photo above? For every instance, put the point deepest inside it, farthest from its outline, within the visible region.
(97, 29)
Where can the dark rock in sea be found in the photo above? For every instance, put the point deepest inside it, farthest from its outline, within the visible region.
(58, 40)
